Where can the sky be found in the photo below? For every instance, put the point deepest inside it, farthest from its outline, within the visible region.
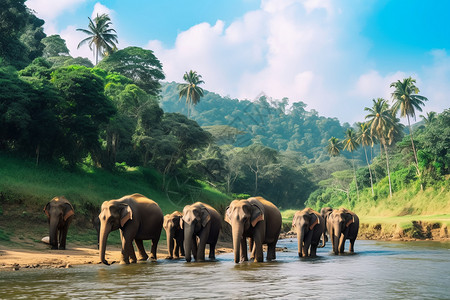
(334, 55)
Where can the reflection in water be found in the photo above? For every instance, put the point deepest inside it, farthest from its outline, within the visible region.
(379, 270)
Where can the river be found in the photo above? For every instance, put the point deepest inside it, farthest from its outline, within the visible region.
(378, 270)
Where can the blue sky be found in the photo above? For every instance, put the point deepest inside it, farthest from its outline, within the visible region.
(336, 56)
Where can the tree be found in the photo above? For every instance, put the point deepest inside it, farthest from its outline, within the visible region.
(334, 147)
(54, 46)
(429, 118)
(100, 37)
(191, 89)
(83, 111)
(380, 121)
(407, 101)
(350, 144)
(365, 140)
(139, 65)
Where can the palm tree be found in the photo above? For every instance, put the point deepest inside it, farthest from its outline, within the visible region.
(190, 89)
(380, 121)
(350, 144)
(429, 118)
(365, 139)
(334, 147)
(100, 35)
(407, 101)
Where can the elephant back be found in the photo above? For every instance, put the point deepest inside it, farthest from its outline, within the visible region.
(272, 217)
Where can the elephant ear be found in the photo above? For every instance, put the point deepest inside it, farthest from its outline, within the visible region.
(257, 214)
(68, 211)
(227, 215)
(166, 220)
(314, 221)
(46, 209)
(125, 214)
(206, 216)
(350, 221)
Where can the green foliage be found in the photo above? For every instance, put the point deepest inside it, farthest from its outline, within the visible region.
(137, 64)
(54, 46)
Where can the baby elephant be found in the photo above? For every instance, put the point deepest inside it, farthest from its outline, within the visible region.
(60, 213)
(309, 226)
(174, 234)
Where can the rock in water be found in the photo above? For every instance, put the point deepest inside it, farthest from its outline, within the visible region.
(46, 239)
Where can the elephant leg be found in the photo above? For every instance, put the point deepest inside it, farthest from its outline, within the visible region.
(170, 247)
(212, 251)
(140, 245)
(127, 249)
(352, 245)
(176, 252)
(202, 243)
(244, 256)
(342, 243)
(271, 251)
(194, 247)
(181, 243)
(154, 248)
(258, 248)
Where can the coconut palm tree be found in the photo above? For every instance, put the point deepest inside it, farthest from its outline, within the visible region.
(365, 139)
(429, 118)
(406, 100)
(191, 89)
(101, 38)
(380, 120)
(350, 144)
(334, 147)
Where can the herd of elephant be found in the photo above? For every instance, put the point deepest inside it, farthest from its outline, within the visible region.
(254, 219)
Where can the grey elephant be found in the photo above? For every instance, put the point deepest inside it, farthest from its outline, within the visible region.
(201, 224)
(325, 213)
(257, 219)
(174, 234)
(60, 213)
(138, 219)
(342, 225)
(309, 226)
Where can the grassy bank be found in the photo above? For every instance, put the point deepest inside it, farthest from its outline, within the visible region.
(25, 189)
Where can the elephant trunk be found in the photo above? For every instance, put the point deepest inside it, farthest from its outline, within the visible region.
(324, 236)
(188, 240)
(170, 242)
(301, 240)
(104, 232)
(336, 237)
(237, 231)
(53, 232)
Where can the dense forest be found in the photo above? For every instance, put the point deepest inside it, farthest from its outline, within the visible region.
(120, 114)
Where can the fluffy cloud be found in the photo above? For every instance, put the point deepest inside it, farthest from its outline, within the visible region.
(287, 48)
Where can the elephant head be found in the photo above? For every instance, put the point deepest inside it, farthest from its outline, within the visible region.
(113, 216)
(243, 216)
(339, 221)
(196, 218)
(59, 212)
(303, 222)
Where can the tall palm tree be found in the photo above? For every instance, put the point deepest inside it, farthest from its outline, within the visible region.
(350, 144)
(365, 139)
(101, 38)
(191, 89)
(380, 121)
(429, 118)
(334, 147)
(406, 100)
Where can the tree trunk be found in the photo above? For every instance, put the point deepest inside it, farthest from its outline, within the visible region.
(370, 171)
(354, 173)
(415, 153)
(387, 166)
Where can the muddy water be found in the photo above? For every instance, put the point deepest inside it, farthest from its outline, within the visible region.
(379, 270)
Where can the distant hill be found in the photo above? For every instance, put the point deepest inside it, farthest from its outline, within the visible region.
(264, 120)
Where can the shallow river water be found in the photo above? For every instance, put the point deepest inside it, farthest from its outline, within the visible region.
(378, 270)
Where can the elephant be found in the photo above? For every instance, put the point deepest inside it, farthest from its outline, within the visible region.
(325, 213)
(202, 221)
(342, 225)
(138, 219)
(309, 226)
(60, 214)
(257, 219)
(174, 234)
